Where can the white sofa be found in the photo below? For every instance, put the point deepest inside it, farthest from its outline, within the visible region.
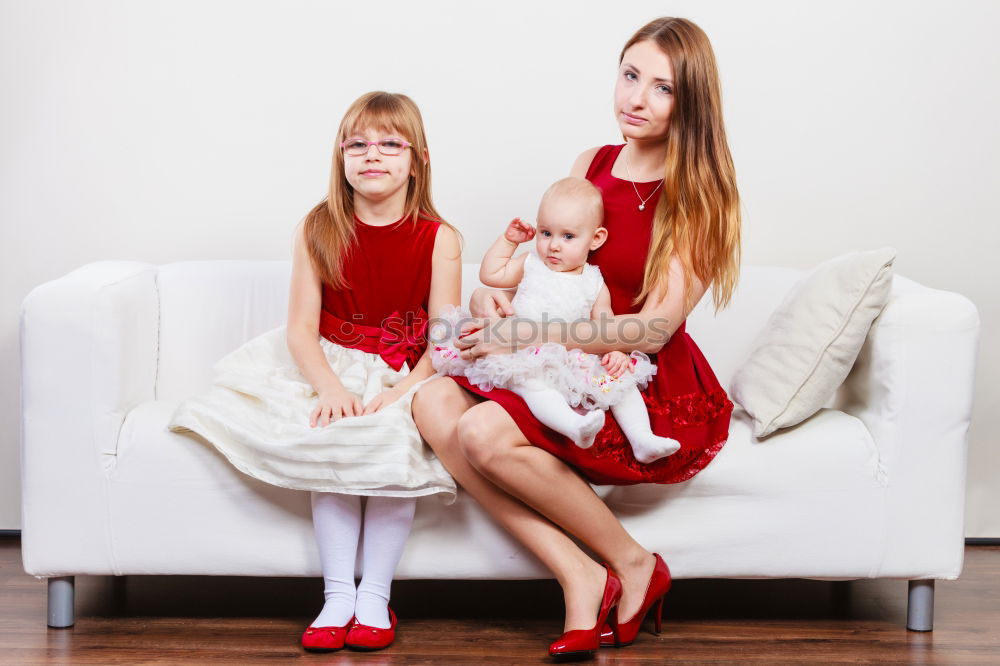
(871, 486)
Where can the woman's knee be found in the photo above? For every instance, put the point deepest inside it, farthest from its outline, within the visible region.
(483, 435)
(437, 407)
(432, 397)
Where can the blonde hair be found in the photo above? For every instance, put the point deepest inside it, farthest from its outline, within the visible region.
(329, 226)
(698, 214)
(581, 190)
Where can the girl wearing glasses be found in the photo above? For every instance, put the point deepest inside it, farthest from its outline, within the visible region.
(672, 213)
(323, 403)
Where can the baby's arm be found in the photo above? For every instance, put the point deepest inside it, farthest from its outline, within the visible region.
(500, 269)
(615, 362)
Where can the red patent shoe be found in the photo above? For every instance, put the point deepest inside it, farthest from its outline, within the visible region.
(325, 639)
(584, 642)
(608, 636)
(659, 585)
(365, 638)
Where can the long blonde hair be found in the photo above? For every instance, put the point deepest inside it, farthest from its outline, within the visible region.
(329, 226)
(698, 214)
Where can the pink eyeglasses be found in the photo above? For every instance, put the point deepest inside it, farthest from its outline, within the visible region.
(358, 146)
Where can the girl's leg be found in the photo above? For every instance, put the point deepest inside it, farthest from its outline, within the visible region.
(494, 445)
(550, 407)
(337, 522)
(632, 416)
(437, 408)
(387, 525)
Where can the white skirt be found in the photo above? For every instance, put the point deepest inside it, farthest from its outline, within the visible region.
(578, 376)
(257, 410)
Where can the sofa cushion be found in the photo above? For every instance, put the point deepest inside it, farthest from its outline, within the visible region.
(208, 309)
(812, 339)
(806, 502)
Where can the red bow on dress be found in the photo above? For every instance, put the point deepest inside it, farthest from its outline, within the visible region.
(400, 339)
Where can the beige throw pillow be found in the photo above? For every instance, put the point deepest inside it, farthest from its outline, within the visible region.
(812, 339)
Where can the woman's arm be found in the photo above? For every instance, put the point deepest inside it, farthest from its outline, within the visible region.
(582, 163)
(302, 332)
(646, 331)
(446, 289)
(491, 303)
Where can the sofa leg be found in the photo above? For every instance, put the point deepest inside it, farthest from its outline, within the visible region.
(920, 606)
(61, 601)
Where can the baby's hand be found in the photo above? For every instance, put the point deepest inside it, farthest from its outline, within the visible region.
(519, 231)
(615, 363)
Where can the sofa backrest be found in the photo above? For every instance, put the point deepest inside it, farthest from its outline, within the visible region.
(209, 308)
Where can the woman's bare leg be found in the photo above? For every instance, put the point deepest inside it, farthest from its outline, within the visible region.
(495, 446)
(437, 410)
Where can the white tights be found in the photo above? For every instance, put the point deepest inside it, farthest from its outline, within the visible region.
(337, 522)
(549, 406)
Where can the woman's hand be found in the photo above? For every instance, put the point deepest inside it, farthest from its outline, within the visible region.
(334, 404)
(616, 363)
(494, 336)
(384, 398)
(490, 303)
(519, 231)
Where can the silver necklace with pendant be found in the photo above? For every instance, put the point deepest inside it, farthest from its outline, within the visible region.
(642, 202)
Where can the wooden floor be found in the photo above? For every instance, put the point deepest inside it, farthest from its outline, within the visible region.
(231, 620)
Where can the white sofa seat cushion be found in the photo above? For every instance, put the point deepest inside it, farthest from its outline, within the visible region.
(808, 502)
(176, 506)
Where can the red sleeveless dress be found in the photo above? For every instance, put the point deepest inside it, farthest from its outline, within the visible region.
(684, 398)
(378, 312)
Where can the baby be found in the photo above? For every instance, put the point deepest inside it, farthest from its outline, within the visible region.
(555, 283)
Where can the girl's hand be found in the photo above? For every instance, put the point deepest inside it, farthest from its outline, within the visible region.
(490, 303)
(494, 336)
(333, 405)
(519, 231)
(384, 398)
(615, 363)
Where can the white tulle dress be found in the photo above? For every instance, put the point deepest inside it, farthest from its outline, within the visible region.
(543, 295)
(257, 414)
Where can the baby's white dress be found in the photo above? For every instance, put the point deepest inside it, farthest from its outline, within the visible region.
(257, 414)
(543, 295)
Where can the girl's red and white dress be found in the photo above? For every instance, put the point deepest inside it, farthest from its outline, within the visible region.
(257, 411)
(684, 398)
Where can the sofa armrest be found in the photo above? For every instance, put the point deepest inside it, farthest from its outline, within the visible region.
(912, 386)
(88, 356)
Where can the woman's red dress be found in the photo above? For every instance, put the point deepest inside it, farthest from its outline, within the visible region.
(684, 398)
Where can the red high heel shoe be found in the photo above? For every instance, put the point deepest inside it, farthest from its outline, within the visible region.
(365, 638)
(656, 589)
(583, 642)
(325, 639)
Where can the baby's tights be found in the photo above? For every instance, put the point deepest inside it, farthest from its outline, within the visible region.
(337, 521)
(550, 407)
